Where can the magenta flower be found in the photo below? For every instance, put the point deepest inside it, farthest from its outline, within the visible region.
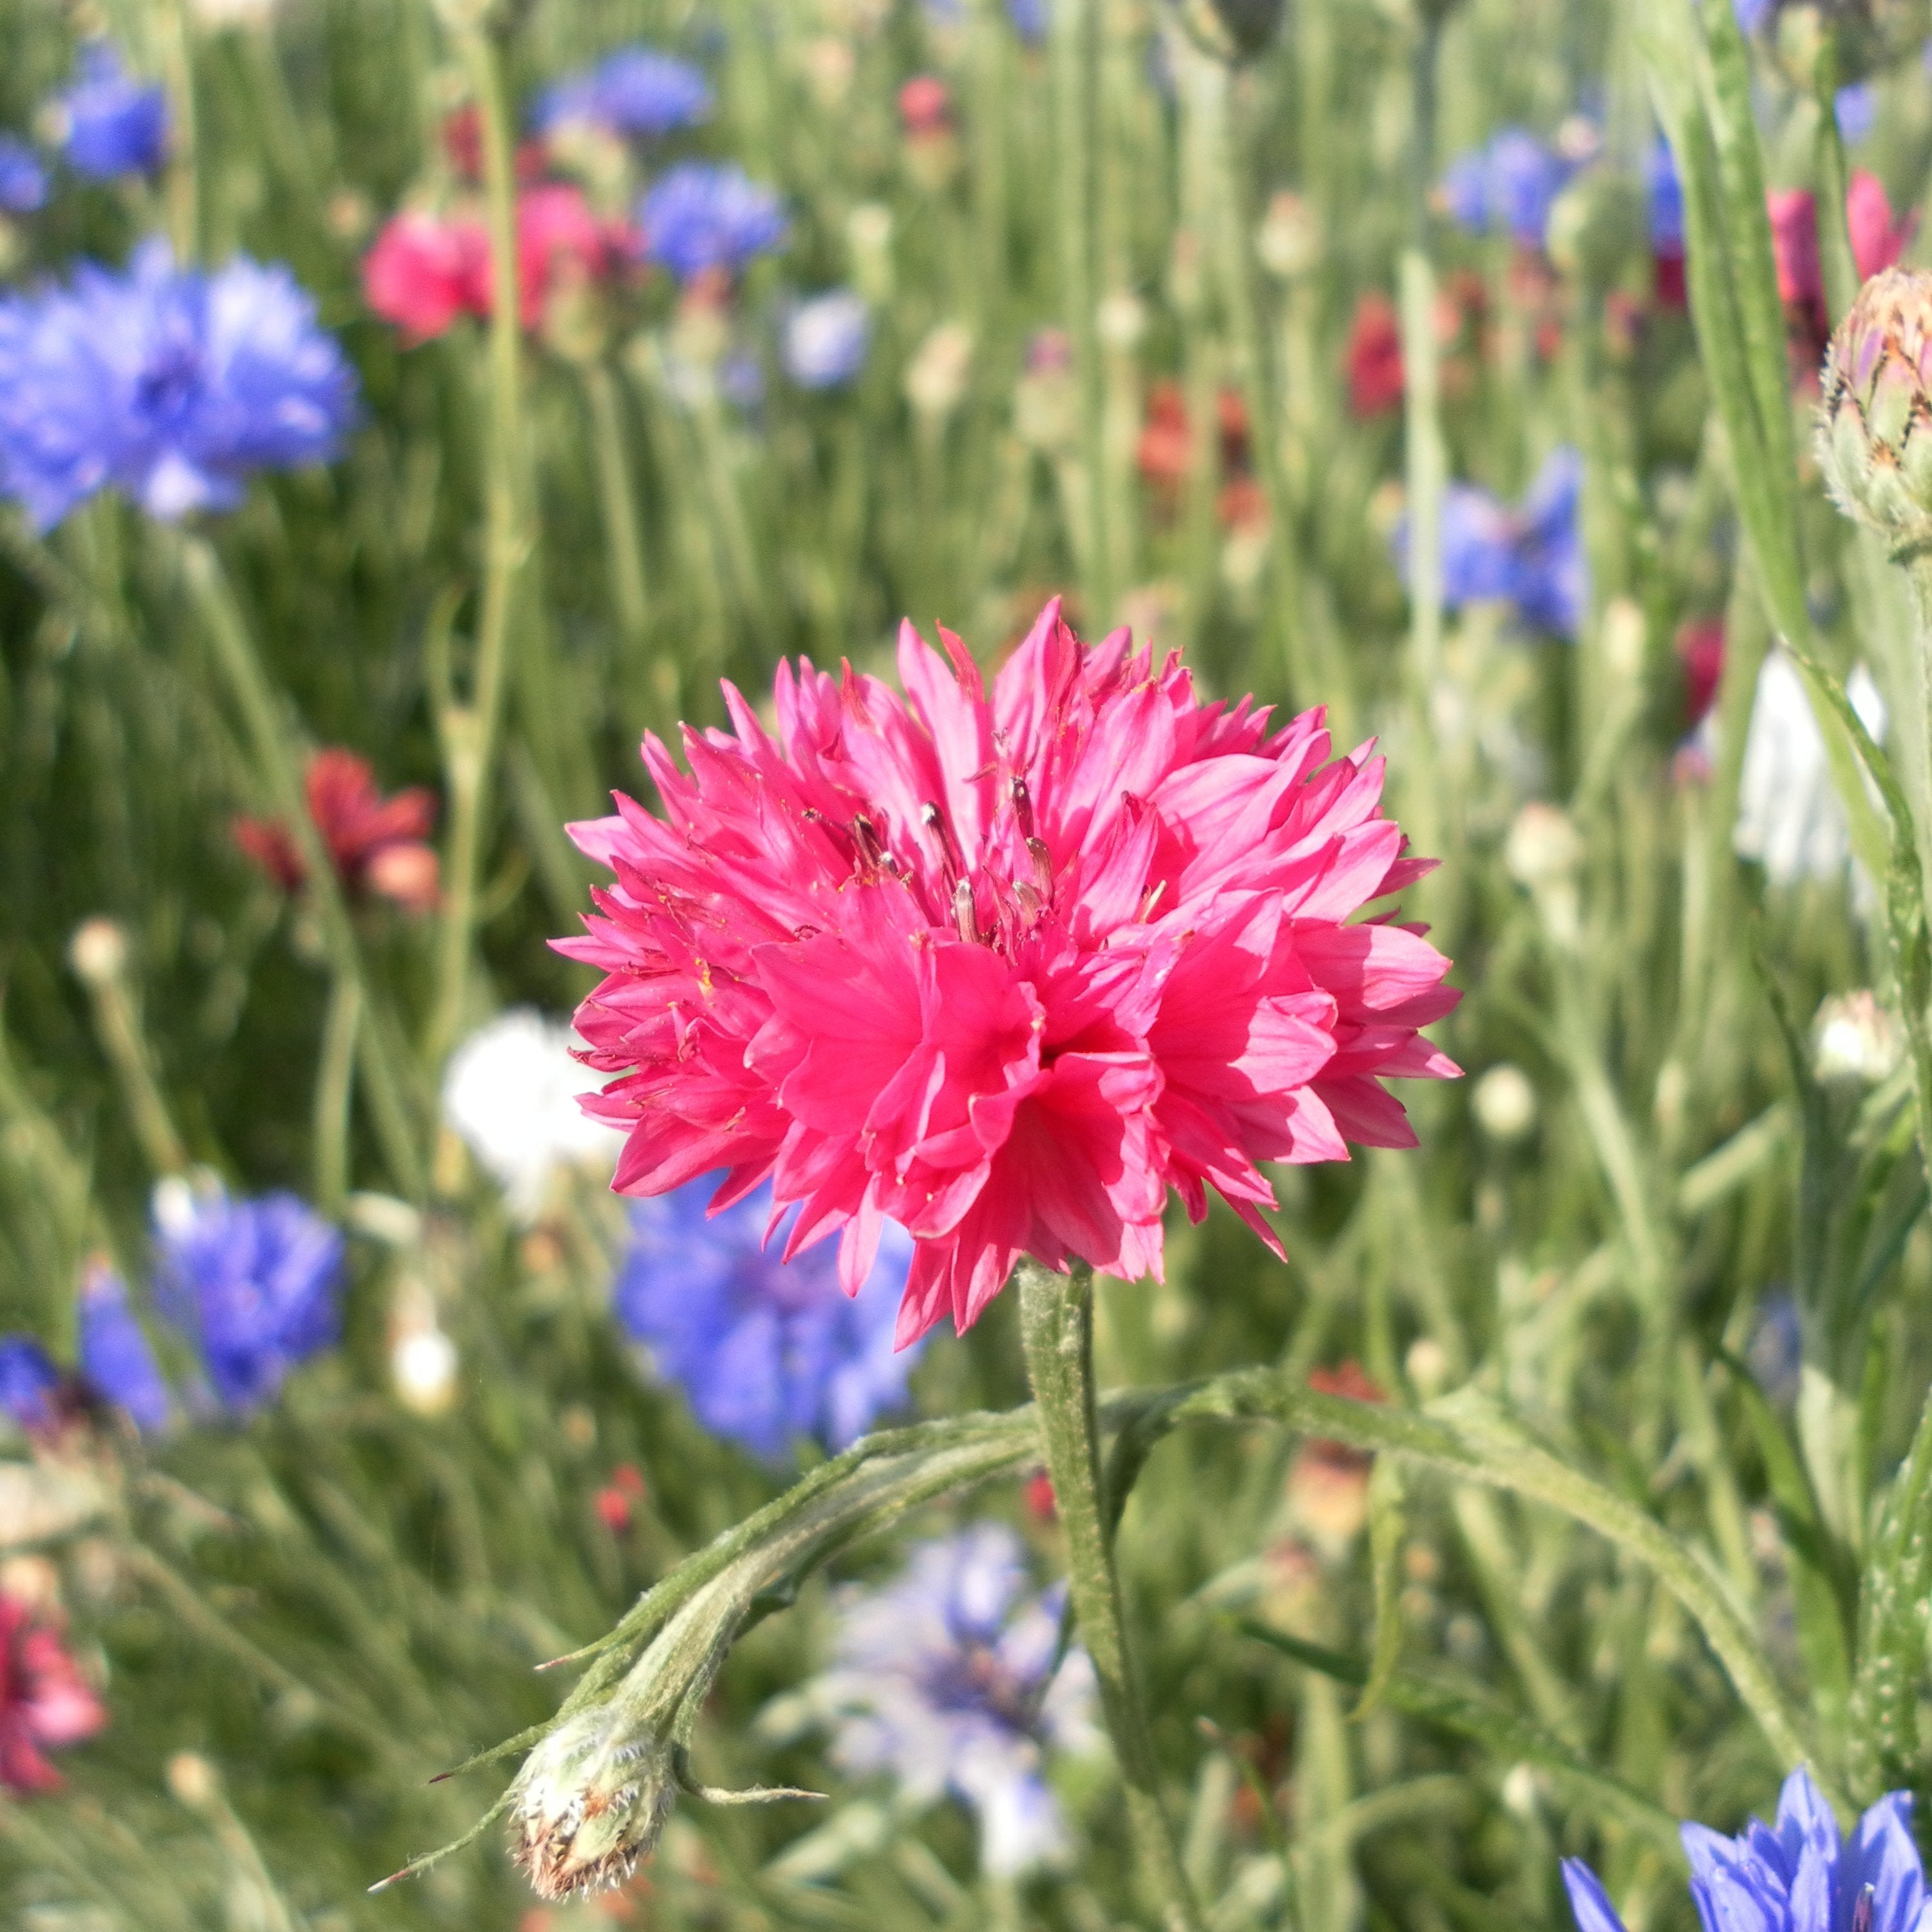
(1003, 968)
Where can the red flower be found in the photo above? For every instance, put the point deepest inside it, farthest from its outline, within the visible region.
(1374, 357)
(1004, 966)
(378, 844)
(44, 1700)
(1163, 452)
(1042, 1503)
(925, 106)
(463, 142)
(1700, 651)
(616, 1502)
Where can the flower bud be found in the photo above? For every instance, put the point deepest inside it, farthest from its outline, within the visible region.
(1875, 416)
(98, 952)
(589, 1803)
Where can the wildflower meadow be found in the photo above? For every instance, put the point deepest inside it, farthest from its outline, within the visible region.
(965, 963)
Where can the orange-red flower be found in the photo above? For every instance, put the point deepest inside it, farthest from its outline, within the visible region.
(378, 844)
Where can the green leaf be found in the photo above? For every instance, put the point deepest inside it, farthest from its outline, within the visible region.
(1471, 1713)
(1386, 1525)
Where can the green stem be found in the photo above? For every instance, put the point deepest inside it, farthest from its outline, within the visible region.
(1074, 56)
(619, 502)
(260, 706)
(1207, 98)
(469, 738)
(118, 1026)
(1057, 1325)
(334, 1079)
(182, 190)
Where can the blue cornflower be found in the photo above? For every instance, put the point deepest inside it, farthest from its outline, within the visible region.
(765, 1350)
(698, 215)
(825, 338)
(1752, 14)
(1664, 195)
(1530, 557)
(944, 1680)
(255, 1285)
(1508, 187)
(115, 125)
(1857, 109)
(1796, 1876)
(1775, 1352)
(115, 1360)
(168, 383)
(23, 181)
(28, 1382)
(1550, 583)
(636, 91)
(1029, 19)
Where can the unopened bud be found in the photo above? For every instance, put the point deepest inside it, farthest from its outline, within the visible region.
(590, 1803)
(1854, 1039)
(98, 952)
(1504, 1103)
(1875, 414)
(1288, 242)
(935, 381)
(192, 1780)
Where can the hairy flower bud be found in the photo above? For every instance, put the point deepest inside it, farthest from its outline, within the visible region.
(590, 1803)
(1875, 416)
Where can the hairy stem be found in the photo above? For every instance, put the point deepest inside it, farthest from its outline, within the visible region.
(1056, 1324)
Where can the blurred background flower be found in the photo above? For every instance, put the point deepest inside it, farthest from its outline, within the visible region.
(950, 1680)
(766, 1352)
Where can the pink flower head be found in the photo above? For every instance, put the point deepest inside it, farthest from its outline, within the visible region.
(925, 106)
(44, 1700)
(1002, 966)
(423, 273)
(1877, 240)
(559, 237)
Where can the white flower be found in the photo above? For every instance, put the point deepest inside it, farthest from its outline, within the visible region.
(511, 1092)
(1789, 816)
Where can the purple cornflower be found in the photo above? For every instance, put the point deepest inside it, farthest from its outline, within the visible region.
(825, 338)
(698, 215)
(167, 383)
(255, 1285)
(1507, 186)
(1530, 557)
(766, 1350)
(115, 125)
(29, 1382)
(637, 91)
(944, 1680)
(1796, 1876)
(115, 1360)
(23, 181)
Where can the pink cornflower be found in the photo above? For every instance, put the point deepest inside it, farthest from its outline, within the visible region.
(1002, 966)
(425, 270)
(1877, 242)
(44, 1700)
